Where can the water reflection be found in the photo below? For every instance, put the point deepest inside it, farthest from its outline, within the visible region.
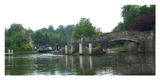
(90, 62)
(108, 64)
(81, 62)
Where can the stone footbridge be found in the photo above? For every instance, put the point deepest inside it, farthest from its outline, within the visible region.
(144, 39)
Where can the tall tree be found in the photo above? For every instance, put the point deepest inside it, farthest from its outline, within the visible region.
(99, 31)
(47, 41)
(69, 29)
(39, 37)
(6, 31)
(20, 38)
(60, 29)
(77, 32)
(51, 28)
(44, 29)
(8, 42)
(14, 28)
(129, 13)
(83, 28)
(119, 27)
(135, 18)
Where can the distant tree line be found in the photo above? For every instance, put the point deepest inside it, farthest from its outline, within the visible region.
(52, 37)
(135, 17)
(16, 38)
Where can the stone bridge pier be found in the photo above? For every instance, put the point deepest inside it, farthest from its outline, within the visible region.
(83, 48)
(93, 45)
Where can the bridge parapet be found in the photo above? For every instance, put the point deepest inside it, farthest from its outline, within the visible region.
(135, 36)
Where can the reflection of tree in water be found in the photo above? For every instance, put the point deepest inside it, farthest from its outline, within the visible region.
(84, 65)
(123, 63)
(89, 65)
(116, 60)
(141, 64)
(52, 65)
(19, 66)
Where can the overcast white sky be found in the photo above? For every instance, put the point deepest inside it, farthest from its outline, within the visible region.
(37, 14)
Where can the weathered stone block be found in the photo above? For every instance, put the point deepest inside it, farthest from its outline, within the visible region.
(132, 47)
(85, 50)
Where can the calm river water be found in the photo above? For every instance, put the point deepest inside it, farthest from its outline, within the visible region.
(107, 64)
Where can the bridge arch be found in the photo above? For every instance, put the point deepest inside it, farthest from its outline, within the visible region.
(116, 39)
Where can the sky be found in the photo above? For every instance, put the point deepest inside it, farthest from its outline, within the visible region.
(36, 14)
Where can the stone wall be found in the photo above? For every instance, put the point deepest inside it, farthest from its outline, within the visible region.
(132, 47)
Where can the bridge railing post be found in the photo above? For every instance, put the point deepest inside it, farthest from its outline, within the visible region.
(11, 51)
(66, 51)
(90, 48)
(80, 48)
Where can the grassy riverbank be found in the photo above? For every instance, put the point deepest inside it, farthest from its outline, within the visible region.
(24, 52)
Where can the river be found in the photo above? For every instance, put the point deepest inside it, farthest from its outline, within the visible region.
(109, 64)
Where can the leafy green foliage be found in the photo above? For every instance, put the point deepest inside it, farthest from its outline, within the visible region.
(135, 17)
(15, 38)
(69, 29)
(51, 29)
(38, 37)
(8, 41)
(98, 31)
(130, 13)
(20, 38)
(77, 32)
(52, 37)
(14, 29)
(83, 28)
